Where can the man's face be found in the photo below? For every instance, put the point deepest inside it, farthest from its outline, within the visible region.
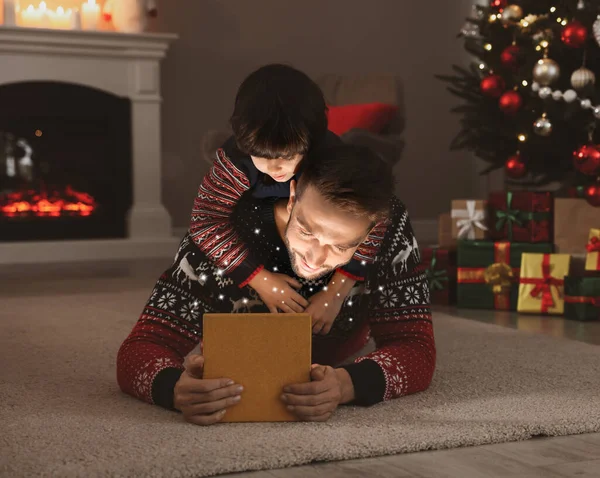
(280, 169)
(320, 236)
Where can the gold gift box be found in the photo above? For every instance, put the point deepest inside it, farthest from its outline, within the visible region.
(592, 258)
(534, 291)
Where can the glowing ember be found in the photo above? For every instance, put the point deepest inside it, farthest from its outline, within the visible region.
(43, 204)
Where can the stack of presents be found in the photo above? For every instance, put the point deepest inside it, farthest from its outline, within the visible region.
(518, 250)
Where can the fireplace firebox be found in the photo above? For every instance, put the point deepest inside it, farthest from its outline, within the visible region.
(65, 162)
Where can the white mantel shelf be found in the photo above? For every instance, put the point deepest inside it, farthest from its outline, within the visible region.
(74, 42)
(124, 65)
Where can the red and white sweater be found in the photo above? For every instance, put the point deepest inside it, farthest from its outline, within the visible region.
(391, 306)
(232, 175)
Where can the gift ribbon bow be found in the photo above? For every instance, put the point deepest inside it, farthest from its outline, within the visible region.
(436, 277)
(543, 286)
(508, 217)
(576, 299)
(593, 245)
(469, 219)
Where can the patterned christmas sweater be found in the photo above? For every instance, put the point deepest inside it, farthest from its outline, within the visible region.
(391, 306)
(232, 174)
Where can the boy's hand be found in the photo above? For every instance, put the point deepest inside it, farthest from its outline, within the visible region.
(277, 292)
(325, 305)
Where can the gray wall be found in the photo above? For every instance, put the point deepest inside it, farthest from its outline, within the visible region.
(221, 41)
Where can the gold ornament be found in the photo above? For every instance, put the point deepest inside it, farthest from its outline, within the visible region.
(582, 78)
(499, 276)
(512, 14)
(546, 71)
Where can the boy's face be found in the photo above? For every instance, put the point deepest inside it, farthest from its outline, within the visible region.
(280, 169)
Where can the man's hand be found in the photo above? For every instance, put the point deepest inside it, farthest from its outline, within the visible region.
(325, 305)
(201, 401)
(277, 292)
(316, 401)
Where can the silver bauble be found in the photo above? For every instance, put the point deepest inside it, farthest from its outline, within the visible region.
(545, 92)
(542, 126)
(597, 112)
(586, 104)
(546, 71)
(512, 14)
(535, 87)
(557, 95)
(569, 96)
(596, 29)
(582, 78)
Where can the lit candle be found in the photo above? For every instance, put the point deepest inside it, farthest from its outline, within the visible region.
(61, 19)
(30, 17)
(10, 12)
(90, 15)
(44, 15)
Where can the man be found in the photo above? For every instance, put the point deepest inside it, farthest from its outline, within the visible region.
(343, 192)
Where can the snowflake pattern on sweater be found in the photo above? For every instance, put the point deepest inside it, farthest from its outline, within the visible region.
(391, 306)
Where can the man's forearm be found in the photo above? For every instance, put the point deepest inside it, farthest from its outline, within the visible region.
(346, 385)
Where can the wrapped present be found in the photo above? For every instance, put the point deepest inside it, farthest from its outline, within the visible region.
(487, 273)
(572, 221)
(592, 258)
(468, 218)
(582, 298)
(445, 239)
(441, 273)
(541, 283)
(520, 216)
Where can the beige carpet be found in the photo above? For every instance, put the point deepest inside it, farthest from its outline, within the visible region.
(61, 413)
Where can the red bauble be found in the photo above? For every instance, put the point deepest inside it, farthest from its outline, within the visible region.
(514, 167)
(574, 34)
(510, 102)
(592, 194)
(511, 57)
(587, 159)
(493, 86)
(498, 3)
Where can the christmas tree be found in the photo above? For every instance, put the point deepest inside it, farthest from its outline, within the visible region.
(531, 102)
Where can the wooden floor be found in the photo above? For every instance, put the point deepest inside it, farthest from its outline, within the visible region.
(571, 456)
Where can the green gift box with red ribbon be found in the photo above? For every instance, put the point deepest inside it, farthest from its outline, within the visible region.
(582, 298)
(520, 216)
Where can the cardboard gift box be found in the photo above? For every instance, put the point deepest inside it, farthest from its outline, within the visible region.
(541, 283)
(445, 238)
(520, 216)
(592, 258)
(468, 219)
(582, 298)
(572, 221)
(487, 273)
(441, 273)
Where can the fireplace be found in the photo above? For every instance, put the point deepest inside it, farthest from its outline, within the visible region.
(80, 146)
(65, 162)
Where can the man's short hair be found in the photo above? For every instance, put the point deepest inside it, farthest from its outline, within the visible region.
(352, 177)
(279, 112)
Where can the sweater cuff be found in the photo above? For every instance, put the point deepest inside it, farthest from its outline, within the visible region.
(368, 380)
(163, 387)
(354, 270)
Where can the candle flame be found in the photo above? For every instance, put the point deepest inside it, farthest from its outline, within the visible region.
(91, 2)
(60, 10)
(31, 8)
(43, 6)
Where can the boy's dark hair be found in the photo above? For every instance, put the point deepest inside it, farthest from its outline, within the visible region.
(352, 177)
(279, 112)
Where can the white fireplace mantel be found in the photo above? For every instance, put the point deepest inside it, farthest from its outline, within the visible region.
(127, 66)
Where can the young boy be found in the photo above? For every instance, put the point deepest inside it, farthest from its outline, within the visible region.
(279, 117)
